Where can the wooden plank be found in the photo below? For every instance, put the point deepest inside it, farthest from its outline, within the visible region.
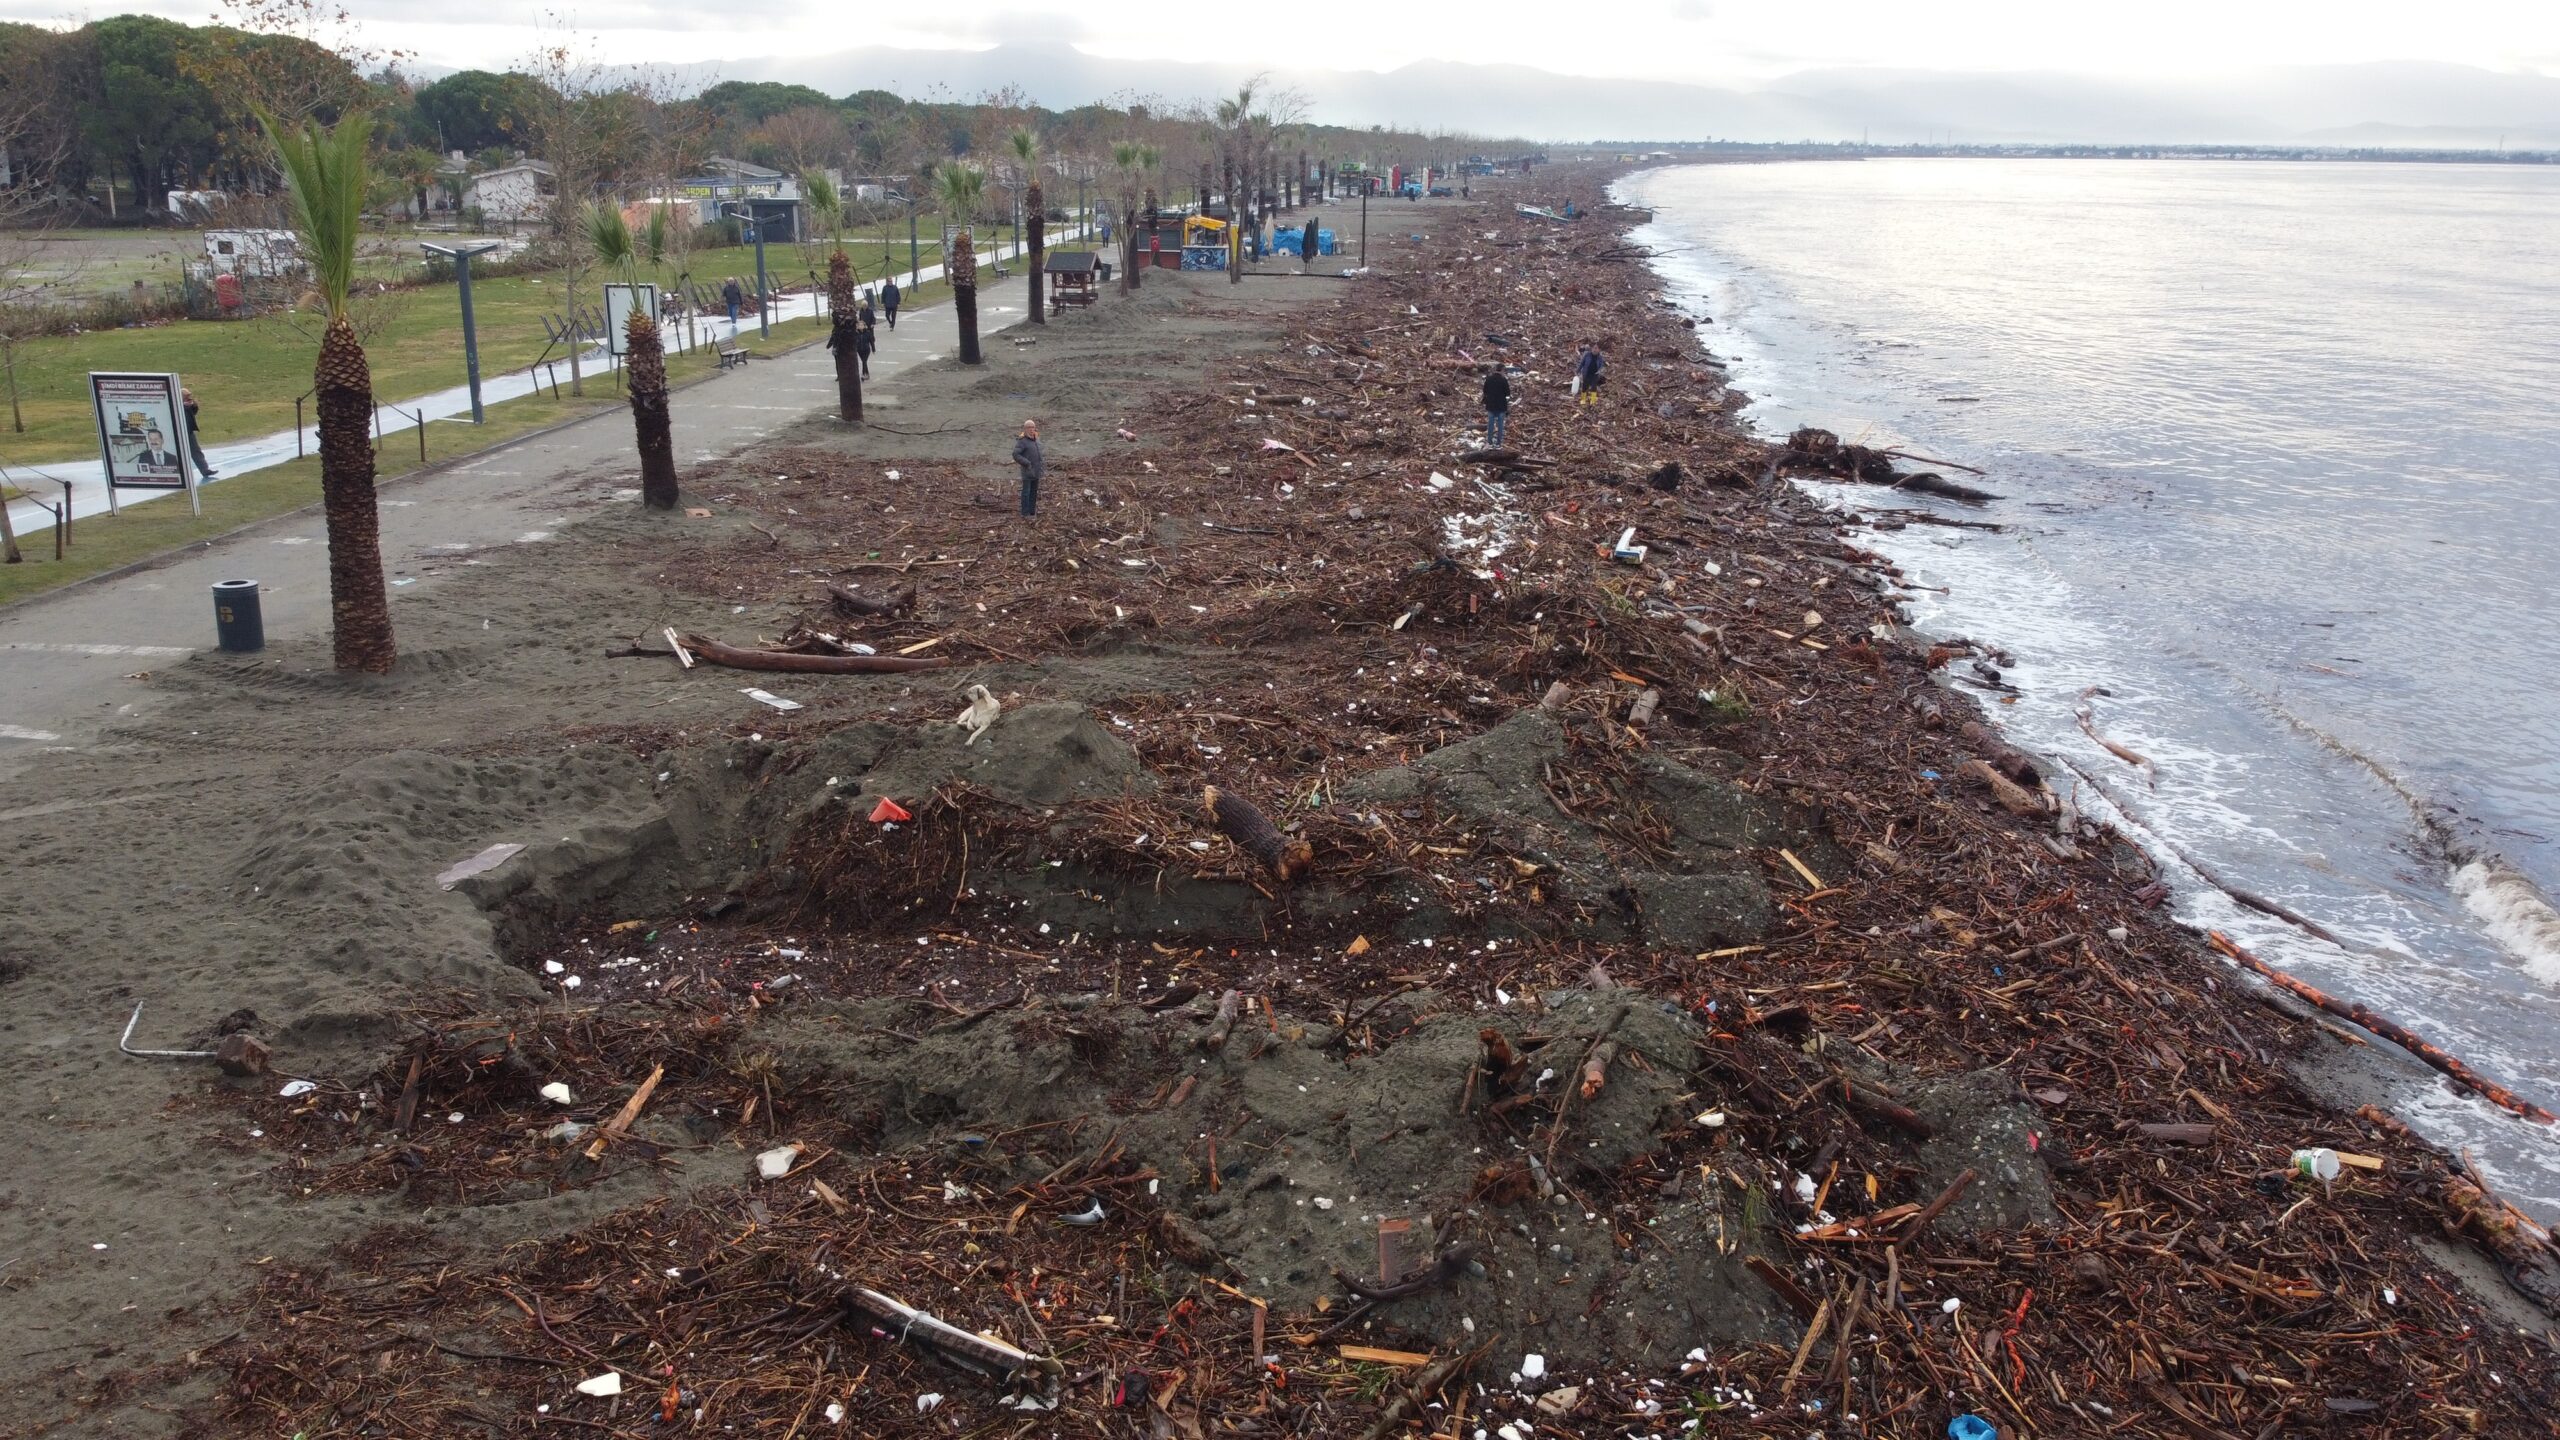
(1375, 1356)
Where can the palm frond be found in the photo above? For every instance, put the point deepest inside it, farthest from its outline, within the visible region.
(325, 178)
(962, 186)
(660, 234)
(1026, 149)
(610, 236)
(820, 193)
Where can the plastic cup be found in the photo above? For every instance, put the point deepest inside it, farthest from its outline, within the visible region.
(2320, 1165)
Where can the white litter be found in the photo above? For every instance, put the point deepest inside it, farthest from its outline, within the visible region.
(1533, 1366)
(777, 1162)
(767, 697)
(298, 1087)
(835, 1412)
(489, 859)
(1951, 1306)
(606, 1384)
(928, 1400)
(558, 1094)
(1712, 1119)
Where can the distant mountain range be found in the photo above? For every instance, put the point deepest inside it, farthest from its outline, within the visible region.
(2382, 104)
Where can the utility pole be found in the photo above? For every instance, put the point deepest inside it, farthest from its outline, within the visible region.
(461, 255)
(764, 301)
(915, 262)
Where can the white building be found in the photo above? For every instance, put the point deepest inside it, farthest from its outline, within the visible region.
(510, 194)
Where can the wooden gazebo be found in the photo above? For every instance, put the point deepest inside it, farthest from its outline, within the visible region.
(1072, 274)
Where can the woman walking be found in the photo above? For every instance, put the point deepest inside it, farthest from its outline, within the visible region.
(195, 447)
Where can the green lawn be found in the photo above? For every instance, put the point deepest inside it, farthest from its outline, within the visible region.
(247, 373)
(102, 542)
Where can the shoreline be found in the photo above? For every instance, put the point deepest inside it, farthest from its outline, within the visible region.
(2440, 836)
(1878, 983)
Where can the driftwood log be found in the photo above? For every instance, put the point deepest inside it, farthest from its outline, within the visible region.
(854, 606)
(2391, 1030)
(712, 652)
(1239, 820)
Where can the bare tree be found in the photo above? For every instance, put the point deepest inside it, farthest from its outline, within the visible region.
(588, 131)
(809, 138)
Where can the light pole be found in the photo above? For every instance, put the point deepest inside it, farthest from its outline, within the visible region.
(915, 255)
(764, 304)
(461, 255)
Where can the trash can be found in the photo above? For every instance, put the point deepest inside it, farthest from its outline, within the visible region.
(237, 621)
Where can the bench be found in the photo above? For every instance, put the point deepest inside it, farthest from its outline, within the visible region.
(1061, 299)
(1004, 272)
(730, 353)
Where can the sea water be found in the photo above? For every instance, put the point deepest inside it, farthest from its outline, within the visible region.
(2279, 446)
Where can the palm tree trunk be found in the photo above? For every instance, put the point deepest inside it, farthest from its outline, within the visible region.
(1128, 243)
(646, 358)
(844, 337)
(964, 296)
(359, 607)
(1034, 202)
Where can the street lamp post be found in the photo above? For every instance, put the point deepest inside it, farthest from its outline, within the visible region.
(461, 255)
(764, 302)
(915, 255)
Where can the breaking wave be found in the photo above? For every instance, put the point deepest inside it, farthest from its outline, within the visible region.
(2516, 915)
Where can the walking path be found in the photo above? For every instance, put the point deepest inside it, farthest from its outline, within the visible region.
(89, 492)
(65, 656)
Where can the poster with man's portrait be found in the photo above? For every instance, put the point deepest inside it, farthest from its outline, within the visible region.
(141, 430)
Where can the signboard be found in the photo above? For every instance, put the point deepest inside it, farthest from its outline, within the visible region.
(619, 302)
(142, 433)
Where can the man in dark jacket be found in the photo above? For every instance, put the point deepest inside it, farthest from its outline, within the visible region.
(1497, 407)
(1028, 459)
(1586, 374)
(889, 302)
(733, 297)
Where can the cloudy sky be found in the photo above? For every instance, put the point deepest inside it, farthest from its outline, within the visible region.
(1707, 41)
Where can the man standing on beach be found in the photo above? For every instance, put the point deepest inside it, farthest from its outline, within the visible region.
(1028, 459)
(1586, 374)
(1497, 407)
(889, 302)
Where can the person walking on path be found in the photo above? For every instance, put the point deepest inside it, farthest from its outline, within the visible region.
(195, 447)
(1497, 407)
(1307, 245)
(865, 340)
(870, 319)
(1032, 463)
(889, 302)
(1587, 374)
(733, 297)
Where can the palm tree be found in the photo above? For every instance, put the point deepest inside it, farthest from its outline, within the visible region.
(1125, 155)
(1026, 152)
(646, 357)
(962, 185)
(845, 321)
(1150, 160)
(324, 171)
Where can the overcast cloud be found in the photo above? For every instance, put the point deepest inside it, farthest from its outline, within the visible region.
(1723, 42)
